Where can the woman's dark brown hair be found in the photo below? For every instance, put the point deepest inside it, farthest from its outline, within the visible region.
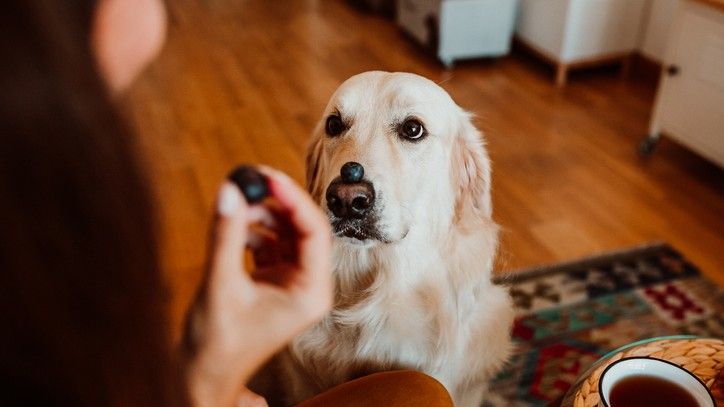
(81, 295)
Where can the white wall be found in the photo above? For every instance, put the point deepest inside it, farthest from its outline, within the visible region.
(658, 25)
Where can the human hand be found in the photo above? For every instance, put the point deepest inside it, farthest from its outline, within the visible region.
(239, 320)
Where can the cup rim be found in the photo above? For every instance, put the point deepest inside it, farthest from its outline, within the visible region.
(600, 378)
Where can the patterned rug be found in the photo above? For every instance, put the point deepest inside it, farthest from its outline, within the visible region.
(569, 315)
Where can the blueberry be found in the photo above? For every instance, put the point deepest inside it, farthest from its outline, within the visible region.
(251, 182)
(352, 172)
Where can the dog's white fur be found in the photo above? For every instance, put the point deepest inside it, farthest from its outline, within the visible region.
(420, 297)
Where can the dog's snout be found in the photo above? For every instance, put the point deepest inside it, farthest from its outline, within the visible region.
(349, 196)
(352, 172)
(350, 200)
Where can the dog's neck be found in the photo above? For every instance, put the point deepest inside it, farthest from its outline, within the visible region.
(459, 257)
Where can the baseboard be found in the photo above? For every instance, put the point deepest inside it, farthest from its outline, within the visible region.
(641, 68)
(646, 69)
(519, 44)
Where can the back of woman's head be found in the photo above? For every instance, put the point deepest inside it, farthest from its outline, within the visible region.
(80, 291)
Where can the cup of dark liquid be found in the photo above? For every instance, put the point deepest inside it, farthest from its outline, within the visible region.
(645, 381)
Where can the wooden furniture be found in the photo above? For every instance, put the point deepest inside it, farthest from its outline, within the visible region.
(392, 388)
(690, 101)
(459, 29)
(703, 357)
(572, 34)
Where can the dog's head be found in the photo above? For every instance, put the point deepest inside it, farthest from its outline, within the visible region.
(393, 154)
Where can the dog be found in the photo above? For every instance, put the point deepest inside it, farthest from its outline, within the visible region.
(404, 177)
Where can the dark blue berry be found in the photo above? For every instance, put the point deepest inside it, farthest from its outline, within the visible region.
(352, 172)
(251, 182)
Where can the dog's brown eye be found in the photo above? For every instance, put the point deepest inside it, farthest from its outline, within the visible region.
(412, 129)
(335, 126)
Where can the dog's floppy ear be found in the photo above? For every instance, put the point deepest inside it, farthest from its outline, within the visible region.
(314, 166)
(471, 173)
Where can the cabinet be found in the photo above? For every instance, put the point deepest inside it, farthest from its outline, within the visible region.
(459, 29)
(576, 33)
(689, 104)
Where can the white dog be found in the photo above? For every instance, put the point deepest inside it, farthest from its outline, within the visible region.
(405, 179)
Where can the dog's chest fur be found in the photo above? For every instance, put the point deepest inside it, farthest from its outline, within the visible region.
(392, 312)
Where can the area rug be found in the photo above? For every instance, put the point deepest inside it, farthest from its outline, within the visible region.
(569, 315)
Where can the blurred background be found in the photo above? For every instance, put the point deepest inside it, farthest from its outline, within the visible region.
(565, 92)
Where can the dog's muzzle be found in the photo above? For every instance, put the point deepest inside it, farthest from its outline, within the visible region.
(351, 199)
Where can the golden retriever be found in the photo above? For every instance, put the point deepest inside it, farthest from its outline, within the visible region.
(405, 179)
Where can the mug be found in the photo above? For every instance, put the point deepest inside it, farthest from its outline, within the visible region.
(647, 367)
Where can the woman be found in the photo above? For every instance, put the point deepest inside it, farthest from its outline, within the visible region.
(81, 294)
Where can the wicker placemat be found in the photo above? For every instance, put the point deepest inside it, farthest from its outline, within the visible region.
(703, 357)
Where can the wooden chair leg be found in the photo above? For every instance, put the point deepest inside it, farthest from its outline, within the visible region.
(626, 63)
(561, 75)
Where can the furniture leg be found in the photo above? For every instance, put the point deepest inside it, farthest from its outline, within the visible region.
(561, 75)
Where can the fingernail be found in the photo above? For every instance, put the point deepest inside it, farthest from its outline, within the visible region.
(228, 201)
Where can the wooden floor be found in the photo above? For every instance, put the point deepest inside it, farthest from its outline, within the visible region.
(245, 81)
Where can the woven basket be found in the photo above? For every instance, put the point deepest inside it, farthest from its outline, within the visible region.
(703, 357)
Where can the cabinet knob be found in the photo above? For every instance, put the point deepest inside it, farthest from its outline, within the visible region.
(673, 70)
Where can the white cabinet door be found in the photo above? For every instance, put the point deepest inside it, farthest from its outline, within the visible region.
(471, 28)
(691, 104)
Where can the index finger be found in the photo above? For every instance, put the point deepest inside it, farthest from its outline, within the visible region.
(305, 215)
(314, 235)
(312, 282)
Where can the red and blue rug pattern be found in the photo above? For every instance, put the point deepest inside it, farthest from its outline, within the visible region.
(569, 315)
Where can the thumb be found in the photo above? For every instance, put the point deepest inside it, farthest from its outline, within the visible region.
(230, 234)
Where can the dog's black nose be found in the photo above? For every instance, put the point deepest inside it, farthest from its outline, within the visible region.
(350, 200)
(352, 172)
